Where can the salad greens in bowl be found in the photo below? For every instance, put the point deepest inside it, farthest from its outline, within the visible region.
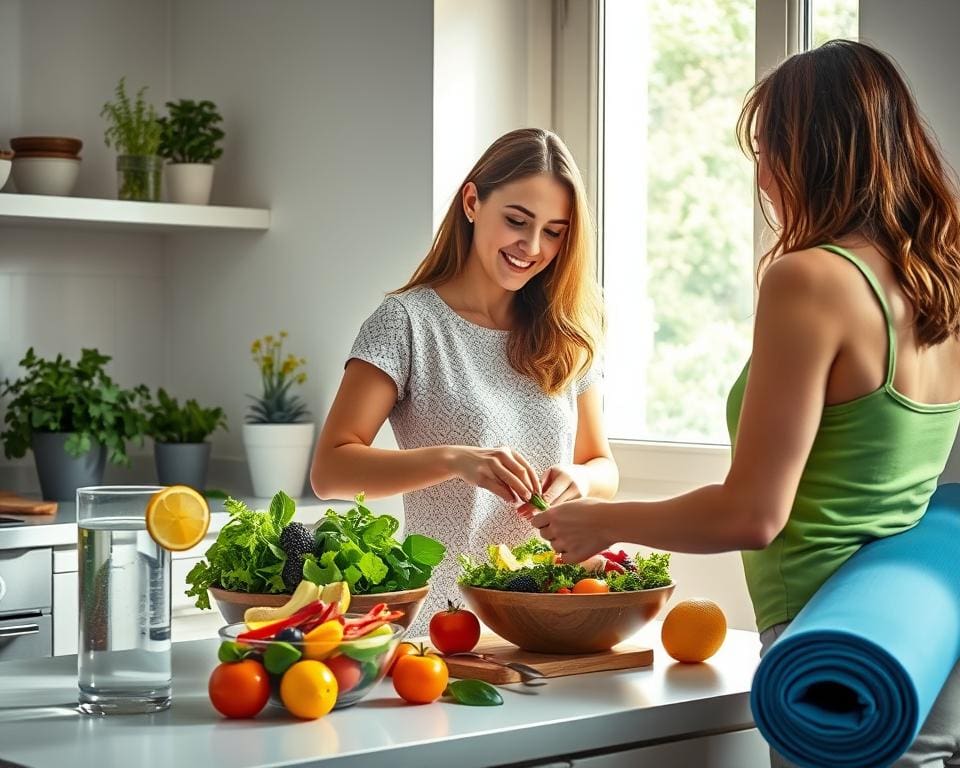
(261, 556)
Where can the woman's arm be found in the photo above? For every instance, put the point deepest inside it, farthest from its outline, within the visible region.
(798, 332)
(345, 464)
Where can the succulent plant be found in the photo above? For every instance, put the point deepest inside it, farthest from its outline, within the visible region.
(277, 405)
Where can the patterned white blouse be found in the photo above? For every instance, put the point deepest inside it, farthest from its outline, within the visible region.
(455, 386)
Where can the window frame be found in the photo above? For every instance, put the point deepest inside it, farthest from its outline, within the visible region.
(655, 469)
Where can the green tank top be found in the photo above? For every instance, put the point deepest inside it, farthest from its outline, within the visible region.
(873, 466)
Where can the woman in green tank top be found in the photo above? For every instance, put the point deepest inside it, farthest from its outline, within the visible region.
(842, 420)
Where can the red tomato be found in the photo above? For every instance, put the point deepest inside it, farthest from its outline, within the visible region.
(404, 649)
(346, 670)
(454, 630)
(239, 688)
(421, 677)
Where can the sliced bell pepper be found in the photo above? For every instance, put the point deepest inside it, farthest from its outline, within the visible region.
(269, 630)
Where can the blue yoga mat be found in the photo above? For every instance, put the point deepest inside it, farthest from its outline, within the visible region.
(852, 679)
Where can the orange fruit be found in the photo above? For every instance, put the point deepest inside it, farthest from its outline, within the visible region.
(309, 689)
(177, 518)
(693, 630)
(590, 587)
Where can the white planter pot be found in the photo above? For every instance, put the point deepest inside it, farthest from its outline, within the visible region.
(189, 183)
(278, 456)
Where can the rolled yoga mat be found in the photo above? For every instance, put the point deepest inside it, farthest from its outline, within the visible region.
(852, 679)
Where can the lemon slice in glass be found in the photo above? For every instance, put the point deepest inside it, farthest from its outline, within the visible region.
(177, 518)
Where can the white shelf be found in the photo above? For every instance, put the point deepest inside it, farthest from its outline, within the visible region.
(31, 210)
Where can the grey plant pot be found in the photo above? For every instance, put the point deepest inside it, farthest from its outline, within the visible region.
(60, 473)
(182, 463)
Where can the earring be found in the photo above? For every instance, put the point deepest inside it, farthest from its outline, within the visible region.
(470, 218)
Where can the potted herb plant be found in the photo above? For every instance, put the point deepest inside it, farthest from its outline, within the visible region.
(188, 140)
(277, 436)
(73, 417)
(135, 133)
(180, 449)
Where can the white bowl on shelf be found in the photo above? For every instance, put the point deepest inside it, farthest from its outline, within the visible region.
(45, 175)
(5, 164)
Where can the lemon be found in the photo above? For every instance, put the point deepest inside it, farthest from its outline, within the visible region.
(337, 592)
(177, 518)
(308, 689)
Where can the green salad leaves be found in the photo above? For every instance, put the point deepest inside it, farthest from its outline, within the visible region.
(246, 557)
(359, 547)
(548, 576)
(356, 546)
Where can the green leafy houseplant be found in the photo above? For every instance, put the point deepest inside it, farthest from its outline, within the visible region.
(169, 422)
(133, 129)
(191, 133)
(58, 396)
(277, 405)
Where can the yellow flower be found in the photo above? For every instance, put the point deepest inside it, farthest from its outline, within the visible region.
(301, 377)
(255, 347)
(283, 334)
(268, 339)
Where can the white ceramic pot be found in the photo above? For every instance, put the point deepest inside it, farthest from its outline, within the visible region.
(189, 183)
(45, 175)
(5, 164)
(278, 456)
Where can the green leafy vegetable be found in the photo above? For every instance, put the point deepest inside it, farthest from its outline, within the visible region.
(651, 571)
(539, 502)
(475, 693)
(359, 547)
(246, 557)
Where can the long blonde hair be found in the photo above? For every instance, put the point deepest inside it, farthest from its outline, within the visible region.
(850, 154)
(559, 312)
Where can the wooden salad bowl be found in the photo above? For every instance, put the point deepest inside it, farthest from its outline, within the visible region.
(233, 604)
(554, 623)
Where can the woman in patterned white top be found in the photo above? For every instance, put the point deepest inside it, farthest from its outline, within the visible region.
(485, 362)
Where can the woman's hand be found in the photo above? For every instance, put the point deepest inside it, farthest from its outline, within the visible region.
(577, 529)
(502, 471)
(562, 482)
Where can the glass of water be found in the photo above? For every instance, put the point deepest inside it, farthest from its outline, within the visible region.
(123, 659)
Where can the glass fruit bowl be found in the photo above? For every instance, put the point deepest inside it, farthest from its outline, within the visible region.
(357, 664)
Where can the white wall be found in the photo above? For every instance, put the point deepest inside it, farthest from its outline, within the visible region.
(492, 74)
(64, 289)
(328, 116)
(923, 42)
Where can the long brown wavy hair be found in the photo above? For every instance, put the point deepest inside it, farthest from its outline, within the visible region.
(558, 313)
(850, 155)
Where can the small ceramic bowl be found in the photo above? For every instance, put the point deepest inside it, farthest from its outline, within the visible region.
(61, 144)
(555, 623)
(5, 164)
(358, 665)
(45, 175)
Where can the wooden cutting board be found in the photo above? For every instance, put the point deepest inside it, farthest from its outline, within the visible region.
(19, 505)
(550, 664)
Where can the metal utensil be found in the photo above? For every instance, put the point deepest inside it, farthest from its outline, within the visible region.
(528, 675)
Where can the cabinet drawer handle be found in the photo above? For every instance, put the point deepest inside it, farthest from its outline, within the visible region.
(20, 629)
(3, 588)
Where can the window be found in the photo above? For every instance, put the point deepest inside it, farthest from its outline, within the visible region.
(678, 216)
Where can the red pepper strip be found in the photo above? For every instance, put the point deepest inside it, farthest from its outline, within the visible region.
(359, 630)
(269, 630)
(616, 557)
(371, 614)
(329, 614)
(611, 565)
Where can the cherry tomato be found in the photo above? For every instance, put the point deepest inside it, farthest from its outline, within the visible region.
(454, 630)
(347, 671)
(239, 688)
(564, 591)
(421, 677)
(404, 649)
(590, 587)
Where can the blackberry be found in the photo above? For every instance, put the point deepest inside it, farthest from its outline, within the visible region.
(293, 572)
(523, 584)
(296, 540)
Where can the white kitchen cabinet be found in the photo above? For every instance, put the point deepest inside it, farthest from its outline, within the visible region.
(739, 749)
(65, 613)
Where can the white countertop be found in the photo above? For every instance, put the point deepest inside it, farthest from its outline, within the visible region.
(40, 727)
